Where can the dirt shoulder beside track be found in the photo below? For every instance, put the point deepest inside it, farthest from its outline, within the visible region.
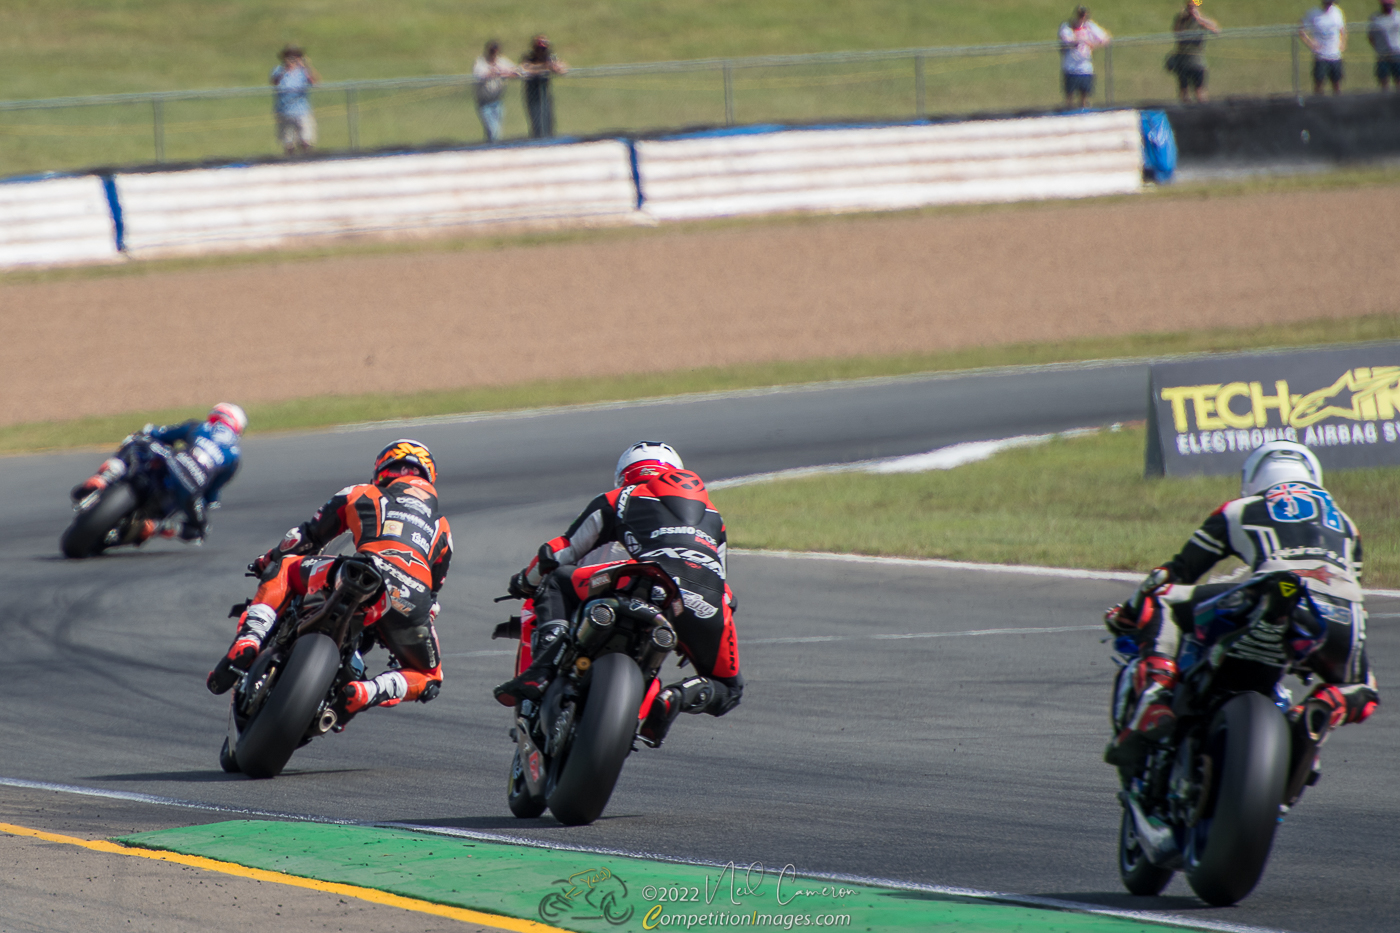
(51, 887)
(690, 298)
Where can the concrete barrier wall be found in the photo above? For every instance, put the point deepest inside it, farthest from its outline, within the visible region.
(206, 210)
(884, 168)
(750, 171)
(56, 220)
(1242, 133)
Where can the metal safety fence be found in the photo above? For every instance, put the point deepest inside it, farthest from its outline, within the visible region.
(236, 123)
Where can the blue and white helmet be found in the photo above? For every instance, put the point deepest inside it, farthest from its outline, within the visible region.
(1279, 462)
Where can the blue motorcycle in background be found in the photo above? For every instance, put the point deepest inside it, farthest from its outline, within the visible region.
(129, 510)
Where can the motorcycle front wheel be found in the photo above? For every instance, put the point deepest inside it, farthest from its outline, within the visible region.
(1249, 742)
(85, 536)
(268, 740)
(522, 804)
(602, 739)
(1139, 875)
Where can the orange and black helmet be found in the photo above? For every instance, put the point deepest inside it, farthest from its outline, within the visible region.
(405, 452)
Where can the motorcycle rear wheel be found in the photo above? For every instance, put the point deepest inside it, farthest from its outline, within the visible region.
(85, 536)
(1249, 740)
(270, 737)
(602, 740)
(1139, 875)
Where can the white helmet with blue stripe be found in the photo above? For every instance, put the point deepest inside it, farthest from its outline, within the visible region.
(1279, 462)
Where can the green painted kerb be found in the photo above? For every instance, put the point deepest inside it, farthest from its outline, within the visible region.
(596, 893)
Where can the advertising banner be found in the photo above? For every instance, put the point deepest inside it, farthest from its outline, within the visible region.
(1207, 415)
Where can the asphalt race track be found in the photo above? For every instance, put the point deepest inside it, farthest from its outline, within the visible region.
(960, 759)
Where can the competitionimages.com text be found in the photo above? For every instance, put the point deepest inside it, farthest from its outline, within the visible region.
(657, 918)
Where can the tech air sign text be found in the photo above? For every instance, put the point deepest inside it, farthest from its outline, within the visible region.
(1205, 416)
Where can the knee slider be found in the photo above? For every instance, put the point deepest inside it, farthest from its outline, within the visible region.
(430, 691)
(728, 692)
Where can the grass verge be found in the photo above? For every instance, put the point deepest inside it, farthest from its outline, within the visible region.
(1075, 502)
(327, 411)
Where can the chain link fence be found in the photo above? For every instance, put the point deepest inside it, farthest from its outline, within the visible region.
(231, 124)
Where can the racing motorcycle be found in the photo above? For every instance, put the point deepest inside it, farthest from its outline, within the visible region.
(1208, 799)
(290, 693)
(116, 515)
(571, 744)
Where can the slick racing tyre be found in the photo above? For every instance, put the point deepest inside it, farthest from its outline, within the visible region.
(602, 739)
(86, 536)
(276, 731)
(1139, 875)
(1249, 742)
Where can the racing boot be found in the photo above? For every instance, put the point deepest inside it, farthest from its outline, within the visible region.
(1152, 720)
(1340, 704)
(112, 469)
(550, 640)
(388, 689)
(695, 695)
(253, 627)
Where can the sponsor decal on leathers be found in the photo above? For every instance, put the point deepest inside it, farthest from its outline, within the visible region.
(1206, 416)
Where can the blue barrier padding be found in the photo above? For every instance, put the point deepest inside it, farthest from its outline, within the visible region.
(1158, 145)
(636, 172)
(109, 184)
(761, 128)
(42, 176)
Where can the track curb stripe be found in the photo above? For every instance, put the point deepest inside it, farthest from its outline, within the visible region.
(258, 874)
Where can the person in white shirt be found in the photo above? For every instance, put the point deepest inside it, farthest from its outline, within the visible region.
(490, 72)
(1078, 39)
(1384, 35)
(1324, 30)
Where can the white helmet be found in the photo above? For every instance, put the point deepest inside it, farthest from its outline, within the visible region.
(649, 453)
(231, 415)
(1279, 462)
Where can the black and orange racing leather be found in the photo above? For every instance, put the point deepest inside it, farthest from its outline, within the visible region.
(400, 523)
(667, 519)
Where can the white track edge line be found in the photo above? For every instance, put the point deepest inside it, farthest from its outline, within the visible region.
(1026, 899)
(863, 382)
(933, 563)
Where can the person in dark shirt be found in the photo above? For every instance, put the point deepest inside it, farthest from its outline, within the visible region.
(1186, 61)
(538, 65)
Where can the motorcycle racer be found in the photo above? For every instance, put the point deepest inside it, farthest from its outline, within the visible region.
(395, 519)
(1284, 520)
(206, 458)
(659, 512)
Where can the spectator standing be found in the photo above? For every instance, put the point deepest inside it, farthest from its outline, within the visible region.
(490, 72)
(538, 65)
(1324, 30)
(1384, 35)
(296, 125)
(1187, 62)
(1078, 39)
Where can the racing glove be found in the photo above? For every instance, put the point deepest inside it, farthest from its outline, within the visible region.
(1123, 618)
(519, 586)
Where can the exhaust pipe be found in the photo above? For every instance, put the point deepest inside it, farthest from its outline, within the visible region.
(326, 721)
